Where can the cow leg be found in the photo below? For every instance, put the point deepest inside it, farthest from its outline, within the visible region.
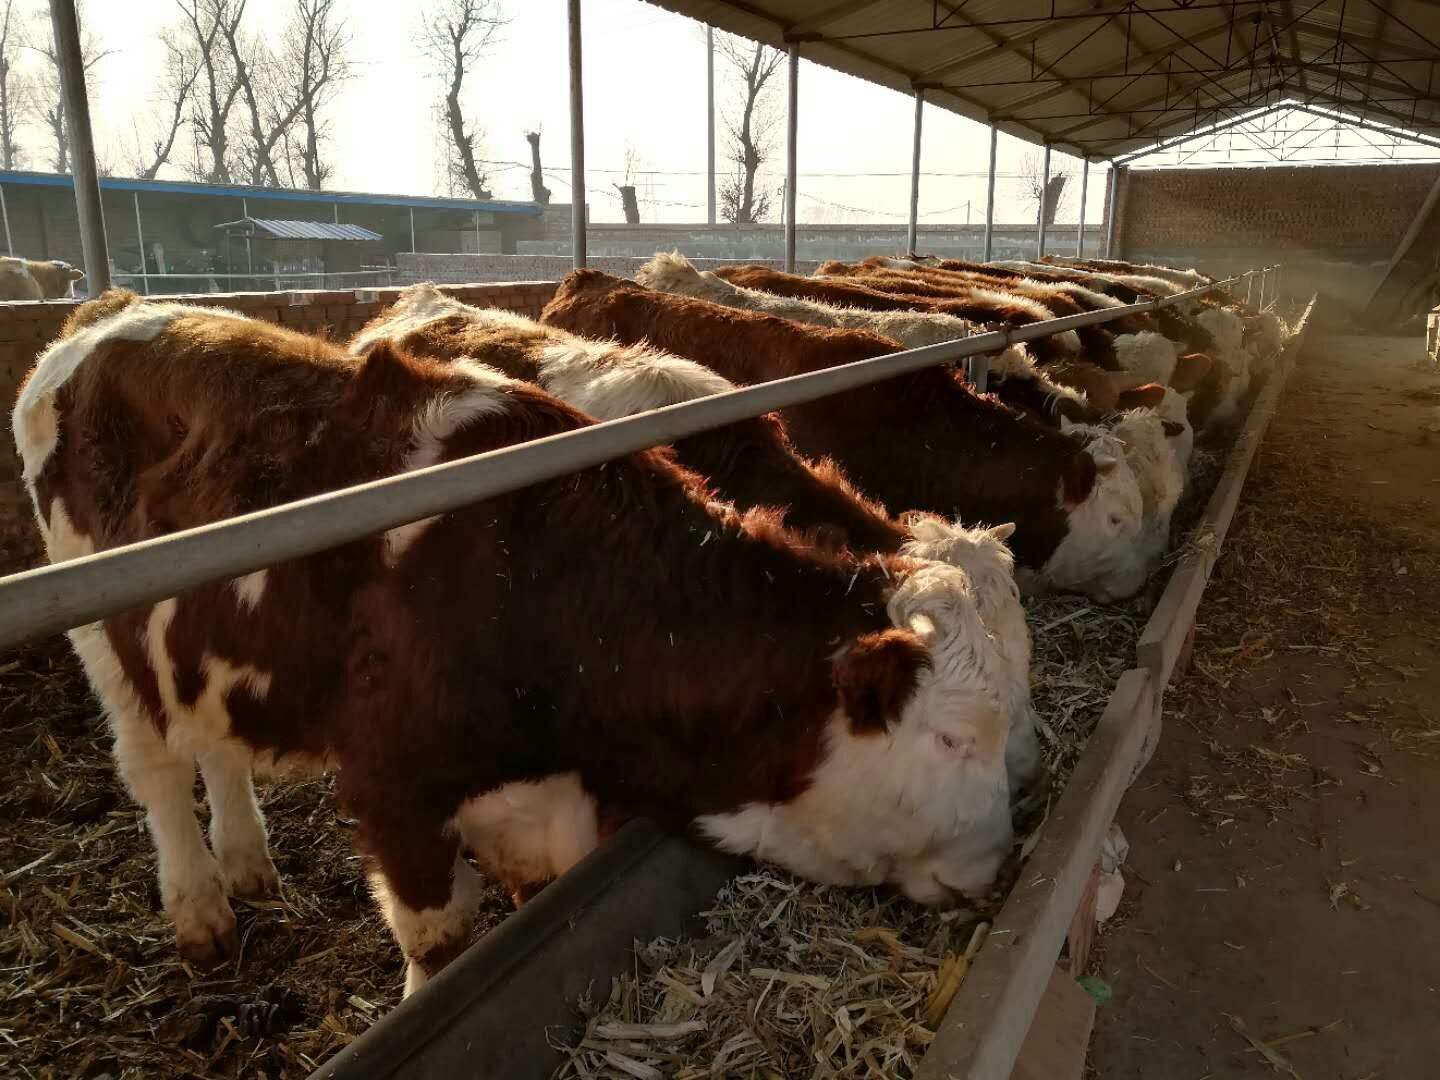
(191, 887)
(237, 828)
(428, 895)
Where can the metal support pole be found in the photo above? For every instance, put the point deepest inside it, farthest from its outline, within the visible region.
(5, 212)
(990, 199)
(336, 208)
(477, 232)
(1044, 192)
(1249, 284)
(791, 156)
(577, 142)
(710, 123)
(140, 233)
(915, 175)
(412, 230)
(1084, 191)
(65, 25)
(1112, 211)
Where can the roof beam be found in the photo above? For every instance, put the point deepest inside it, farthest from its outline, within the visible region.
(1338, 114)
(1188, 86)
(1037, 33)
(1110, 69)
(817, 23)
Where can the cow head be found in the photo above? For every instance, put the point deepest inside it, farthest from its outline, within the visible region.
(1147, 354)
(910, 788)
(982, 553)
(1102, 552)
(1149, 443)
(56, 278)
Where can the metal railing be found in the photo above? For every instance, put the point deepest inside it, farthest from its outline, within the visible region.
(64, 595)
(259, 281)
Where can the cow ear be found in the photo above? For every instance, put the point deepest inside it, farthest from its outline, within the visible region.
(1172, 429)
(1142, 397)
(1078, 480)
(1190, 371)
(877, 675)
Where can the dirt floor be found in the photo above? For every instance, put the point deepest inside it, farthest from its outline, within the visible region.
(1283, 879)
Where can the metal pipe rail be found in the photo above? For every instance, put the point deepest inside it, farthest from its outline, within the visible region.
(52, 598)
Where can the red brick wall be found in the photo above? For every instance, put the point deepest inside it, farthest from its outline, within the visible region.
(27, 327)
(1332, 209)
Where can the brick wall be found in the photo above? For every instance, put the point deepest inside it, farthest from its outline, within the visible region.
(1333, 227)
(27, 327)
(1334, 208)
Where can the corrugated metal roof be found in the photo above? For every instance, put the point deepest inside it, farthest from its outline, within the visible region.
(302, 230)
(1110, 77)
(245, 191)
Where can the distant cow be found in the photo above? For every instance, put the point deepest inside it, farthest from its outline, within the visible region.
(922, 441)
(29, 279)
(479, 680)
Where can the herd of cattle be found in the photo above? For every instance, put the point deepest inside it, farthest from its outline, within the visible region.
(800, 636)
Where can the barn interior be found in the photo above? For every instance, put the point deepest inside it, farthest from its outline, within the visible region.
(1229, 874)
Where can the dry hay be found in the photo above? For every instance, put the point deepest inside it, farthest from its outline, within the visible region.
(90, 981)
(790, 979)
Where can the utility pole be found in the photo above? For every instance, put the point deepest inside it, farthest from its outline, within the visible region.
(710, 122)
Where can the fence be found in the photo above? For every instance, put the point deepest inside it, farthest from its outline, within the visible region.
(62, 596)
(275, 281)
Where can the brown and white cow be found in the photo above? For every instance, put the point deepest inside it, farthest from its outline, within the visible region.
(480, 679)
(33, 279)
(1014, 376)
(673, 273)
(916, 442)
(751, 463)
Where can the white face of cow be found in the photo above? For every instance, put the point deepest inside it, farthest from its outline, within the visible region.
(922, 804)
(981, 552)
(1148, 444)
(1103, 553)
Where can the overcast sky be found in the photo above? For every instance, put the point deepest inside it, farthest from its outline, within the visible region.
(644, 91)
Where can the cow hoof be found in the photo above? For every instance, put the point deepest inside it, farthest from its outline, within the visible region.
(250, 874)
(204, 926)
(207, 943)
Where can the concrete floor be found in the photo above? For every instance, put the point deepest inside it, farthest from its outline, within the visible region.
(1285, 866)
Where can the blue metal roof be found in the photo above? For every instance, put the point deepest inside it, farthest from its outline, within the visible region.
(244, 191)
(304, 230)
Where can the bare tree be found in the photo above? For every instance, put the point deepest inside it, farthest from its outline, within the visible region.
(749, 127)
(1034, 191)
(316, 50)
(453, 35)
(205, 26)
(15, 89)
(47, 105)
(182, 70)
(538, 191)
(628, 201)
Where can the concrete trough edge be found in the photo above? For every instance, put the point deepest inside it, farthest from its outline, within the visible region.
(491, 1011)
